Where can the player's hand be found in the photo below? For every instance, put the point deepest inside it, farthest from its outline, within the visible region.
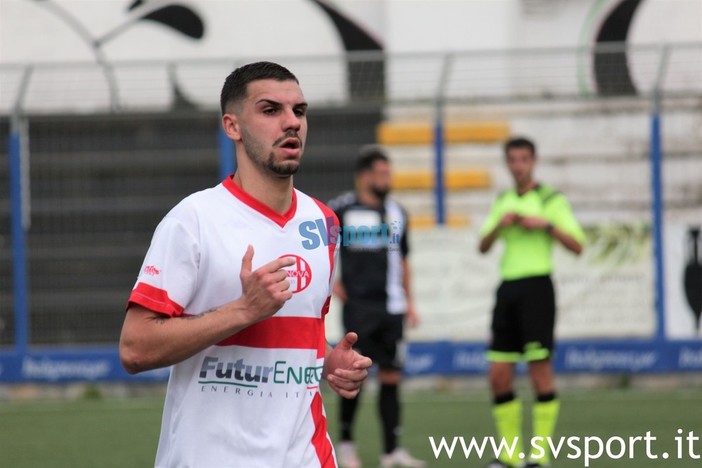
(345, 369)
(265, 290)
(509, 219)
(340, 291)
(411, 317)
(532, 222)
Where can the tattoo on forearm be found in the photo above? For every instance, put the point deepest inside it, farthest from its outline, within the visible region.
(163, 318)
(192, 317)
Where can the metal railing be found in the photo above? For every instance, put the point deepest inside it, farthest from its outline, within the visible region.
(648, 75)
(605, 70)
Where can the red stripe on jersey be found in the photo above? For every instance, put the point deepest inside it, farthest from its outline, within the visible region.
(325, 307)
(320, 438)
(155, 299)
(332, 220)
(280, 332)
(278, 218)
(322, 344)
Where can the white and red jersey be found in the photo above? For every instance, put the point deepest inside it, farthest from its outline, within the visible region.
(252, 400)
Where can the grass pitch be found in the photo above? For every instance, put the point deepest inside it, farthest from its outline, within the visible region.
(103, 433)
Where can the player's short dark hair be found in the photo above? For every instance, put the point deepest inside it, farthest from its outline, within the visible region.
(236, 84)
(520, 142)
(368, 156)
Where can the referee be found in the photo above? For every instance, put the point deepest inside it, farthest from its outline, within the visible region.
(374, 286)
(528, 218)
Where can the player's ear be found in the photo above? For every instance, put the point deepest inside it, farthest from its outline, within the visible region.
(230, 124)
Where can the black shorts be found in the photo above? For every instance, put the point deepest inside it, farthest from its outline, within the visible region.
(523, 320)
(379, 334)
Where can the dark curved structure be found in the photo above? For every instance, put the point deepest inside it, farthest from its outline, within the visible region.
(366, 78)
(692, 277)
(611, 68)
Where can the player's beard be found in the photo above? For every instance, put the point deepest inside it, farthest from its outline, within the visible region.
(380, 192)
(255, 150)
(522, 180)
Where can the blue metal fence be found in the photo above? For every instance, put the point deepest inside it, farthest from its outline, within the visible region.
(22, 362)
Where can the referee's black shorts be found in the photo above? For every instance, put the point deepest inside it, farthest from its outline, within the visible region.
(380, 333)
(523, 320)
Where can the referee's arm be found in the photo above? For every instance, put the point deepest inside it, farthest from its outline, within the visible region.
(490, 238)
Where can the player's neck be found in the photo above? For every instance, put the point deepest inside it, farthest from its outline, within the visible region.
(276, 193)
(368, 198)
(524, 187)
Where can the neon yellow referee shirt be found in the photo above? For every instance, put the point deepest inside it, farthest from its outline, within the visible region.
(528, 252)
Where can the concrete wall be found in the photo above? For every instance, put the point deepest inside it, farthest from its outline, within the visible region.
(107, 32)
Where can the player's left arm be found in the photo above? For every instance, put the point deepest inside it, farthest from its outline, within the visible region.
(567, 240)
(411, 315)
(562, 225)
(344, 368)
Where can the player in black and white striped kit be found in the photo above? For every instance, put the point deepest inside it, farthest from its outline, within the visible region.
(374, 286)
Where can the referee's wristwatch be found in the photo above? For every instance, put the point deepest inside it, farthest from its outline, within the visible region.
(549, 228)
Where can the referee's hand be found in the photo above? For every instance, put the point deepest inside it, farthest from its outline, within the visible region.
(265, 289)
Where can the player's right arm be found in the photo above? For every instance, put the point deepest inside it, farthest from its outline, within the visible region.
(490, 237)
(151, 340)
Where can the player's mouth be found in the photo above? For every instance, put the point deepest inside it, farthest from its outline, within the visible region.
(291, 146)
(519, 175)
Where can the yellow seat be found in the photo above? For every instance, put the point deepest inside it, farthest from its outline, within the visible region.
(429, 221)
(459, 179)
(422, 133)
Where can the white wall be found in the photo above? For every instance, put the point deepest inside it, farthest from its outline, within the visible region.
(29, 31)
(440, 25)
(237, 30)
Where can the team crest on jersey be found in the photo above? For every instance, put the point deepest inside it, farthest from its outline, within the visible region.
(299, 274)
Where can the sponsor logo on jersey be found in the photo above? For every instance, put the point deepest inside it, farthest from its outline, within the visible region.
(151, 270)
(299, 274)
(239, 373)
(319, 233)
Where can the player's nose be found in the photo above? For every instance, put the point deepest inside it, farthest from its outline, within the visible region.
(291, 120)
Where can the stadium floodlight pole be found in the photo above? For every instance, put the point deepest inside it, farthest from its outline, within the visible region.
(439, 178)
(657, 194)
(19, 214)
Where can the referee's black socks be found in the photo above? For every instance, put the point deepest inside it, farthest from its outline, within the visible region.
(504, 398)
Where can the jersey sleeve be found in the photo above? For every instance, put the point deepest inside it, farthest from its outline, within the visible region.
(334, 252)
(560, 213)
(333, 227)
(493, 218)
(404, 240)
(339, 205)
(167, 278)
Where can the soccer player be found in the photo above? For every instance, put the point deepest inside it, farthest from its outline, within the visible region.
(528, 218)
(231, 298)
(374, 286)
